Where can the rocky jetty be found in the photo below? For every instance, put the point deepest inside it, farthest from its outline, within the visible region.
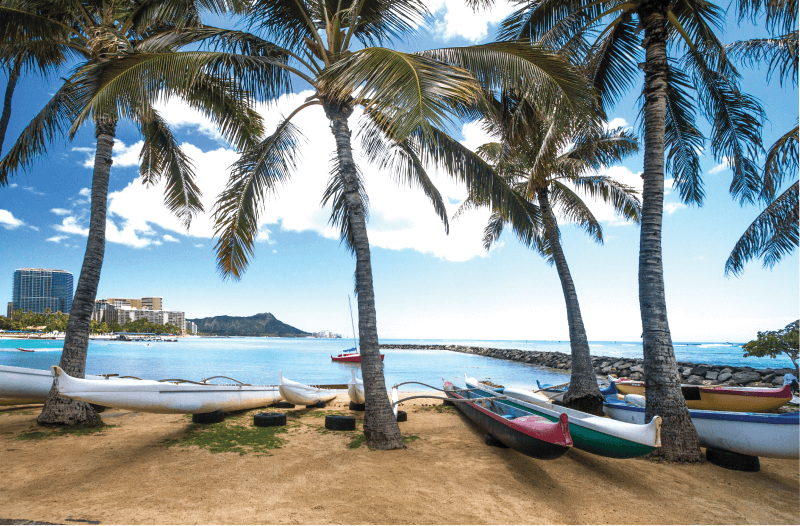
(691, 373)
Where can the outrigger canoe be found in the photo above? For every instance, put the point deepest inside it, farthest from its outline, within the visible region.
(21, 385)
(355, 390)
(594, 434)
(756, 434)
(515, 426)
(720, 397)
(166, 396)
(301, 394)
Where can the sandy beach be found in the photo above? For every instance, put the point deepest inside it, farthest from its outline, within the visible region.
(160, 469)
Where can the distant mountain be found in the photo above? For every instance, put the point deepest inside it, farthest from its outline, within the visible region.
(264, 324)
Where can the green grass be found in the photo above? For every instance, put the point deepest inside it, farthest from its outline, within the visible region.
(357, 442)
(232, 436)
(60, 432)
(409, 438)
(439, 408)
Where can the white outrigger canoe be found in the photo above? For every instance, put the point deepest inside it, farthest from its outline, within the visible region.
(166, 396)
(355, 390)
(301, 394)
(21, 385)
(775, 435)
(594, 434)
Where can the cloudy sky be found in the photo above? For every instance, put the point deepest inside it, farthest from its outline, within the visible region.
(428, 284)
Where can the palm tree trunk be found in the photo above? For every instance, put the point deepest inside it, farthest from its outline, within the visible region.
(380, 426)
(13, 75)
(57, 409)
(679, 440)
(583, 393)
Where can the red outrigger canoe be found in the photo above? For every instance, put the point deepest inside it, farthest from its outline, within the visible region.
(350, 355)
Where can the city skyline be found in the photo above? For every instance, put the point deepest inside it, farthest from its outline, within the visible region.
(428, 285)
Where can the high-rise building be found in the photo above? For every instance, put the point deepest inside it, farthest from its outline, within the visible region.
(37, 289)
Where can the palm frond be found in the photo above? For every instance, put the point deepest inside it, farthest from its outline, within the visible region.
(780, 15)
(772, 235)
(257, 174)
(780, 53)
(623, 198)
(572, 207)
(781, 161)
(340, 211)
(613, 63)
(162, 156)
(380, 21)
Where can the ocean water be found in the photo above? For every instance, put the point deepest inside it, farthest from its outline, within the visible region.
(307, 360)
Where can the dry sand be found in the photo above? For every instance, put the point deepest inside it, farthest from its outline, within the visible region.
(125, 474)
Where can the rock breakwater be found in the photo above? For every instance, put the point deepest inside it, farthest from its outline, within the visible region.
(691, 373)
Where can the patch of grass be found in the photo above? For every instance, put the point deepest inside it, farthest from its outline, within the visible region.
(63, 431)
(357, 442)
(235, 435)
(439, 408)
(409, 438)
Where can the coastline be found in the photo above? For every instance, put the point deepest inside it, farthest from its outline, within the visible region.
(691, 373)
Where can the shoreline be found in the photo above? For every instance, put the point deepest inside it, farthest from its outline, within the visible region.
(691, 373)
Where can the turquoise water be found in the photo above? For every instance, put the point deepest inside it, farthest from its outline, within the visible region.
(307, 360)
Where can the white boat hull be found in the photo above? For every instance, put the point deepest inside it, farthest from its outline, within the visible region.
(28, 385)
(355, 390)
(756, 438)
(150, 396)
(301, 394)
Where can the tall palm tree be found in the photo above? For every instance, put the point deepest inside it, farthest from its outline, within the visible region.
(407, 101)
(548, 159)
(774, 233)
(614, 39)
(116, 81)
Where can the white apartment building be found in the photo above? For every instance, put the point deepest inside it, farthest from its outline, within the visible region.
(124, 310)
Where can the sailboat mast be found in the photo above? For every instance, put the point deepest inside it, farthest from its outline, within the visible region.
(352, 323)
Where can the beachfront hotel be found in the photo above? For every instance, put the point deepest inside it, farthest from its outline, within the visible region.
(38, 289)
(124, 310)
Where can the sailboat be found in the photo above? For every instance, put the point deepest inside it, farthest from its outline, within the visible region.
(350, 355)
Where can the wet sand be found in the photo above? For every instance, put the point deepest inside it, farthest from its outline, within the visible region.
(127, 474)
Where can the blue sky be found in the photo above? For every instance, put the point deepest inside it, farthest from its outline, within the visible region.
(427, 284)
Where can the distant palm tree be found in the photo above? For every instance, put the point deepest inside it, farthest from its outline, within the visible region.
(774, 233)
(408, 99)
(615, 39)
(115, 81)
(545, 155)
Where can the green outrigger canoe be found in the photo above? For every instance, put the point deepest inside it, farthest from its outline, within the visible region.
(594, 434)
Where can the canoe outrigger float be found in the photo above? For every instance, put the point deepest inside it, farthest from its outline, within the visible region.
(593, 434)
(172, 396)
(302, 394)
(355, 390)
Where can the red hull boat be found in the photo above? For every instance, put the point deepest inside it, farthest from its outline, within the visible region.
(349, 356)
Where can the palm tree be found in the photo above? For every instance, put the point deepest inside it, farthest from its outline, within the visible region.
(407, 98)
(774, 233)
(116, 81)
(606, 36)
(544, 157)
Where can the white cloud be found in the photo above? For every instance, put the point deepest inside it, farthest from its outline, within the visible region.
(455, 18)
(8, 221)
(180, 115)
(32, 190)
(199, 245)
(123, 156)
(56, 239)
(13, 185)
(671, 208)
(721, 167)
(129, 234)
(169, 238)
(85, 192)
(617, 122)
(61, 211)
(69, 225)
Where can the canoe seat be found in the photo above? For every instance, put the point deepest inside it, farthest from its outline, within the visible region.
(509, 416)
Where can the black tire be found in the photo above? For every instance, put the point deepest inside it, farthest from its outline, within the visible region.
(283, 405)
(340, 423)
(318, 405)
(269, 419)
(448, 402)
(402, 416)
(209, 418)
(357, 407)
(98, 408)
(492, 441)
(731, 460)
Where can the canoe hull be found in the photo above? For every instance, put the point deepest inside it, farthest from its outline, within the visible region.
(355, 390)
(349, 358)
(301, 394)
(597, 435)
(26, 385)
(758, 435)
(149, 396)
(552, 440)
(723, 398)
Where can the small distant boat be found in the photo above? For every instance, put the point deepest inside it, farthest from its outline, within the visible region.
(350, 355)
(720, 397)
(595, 434)
(355, 390)
(756, 434)
(172, 396)
(515, 426)
(26, 350)
(301, 394)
